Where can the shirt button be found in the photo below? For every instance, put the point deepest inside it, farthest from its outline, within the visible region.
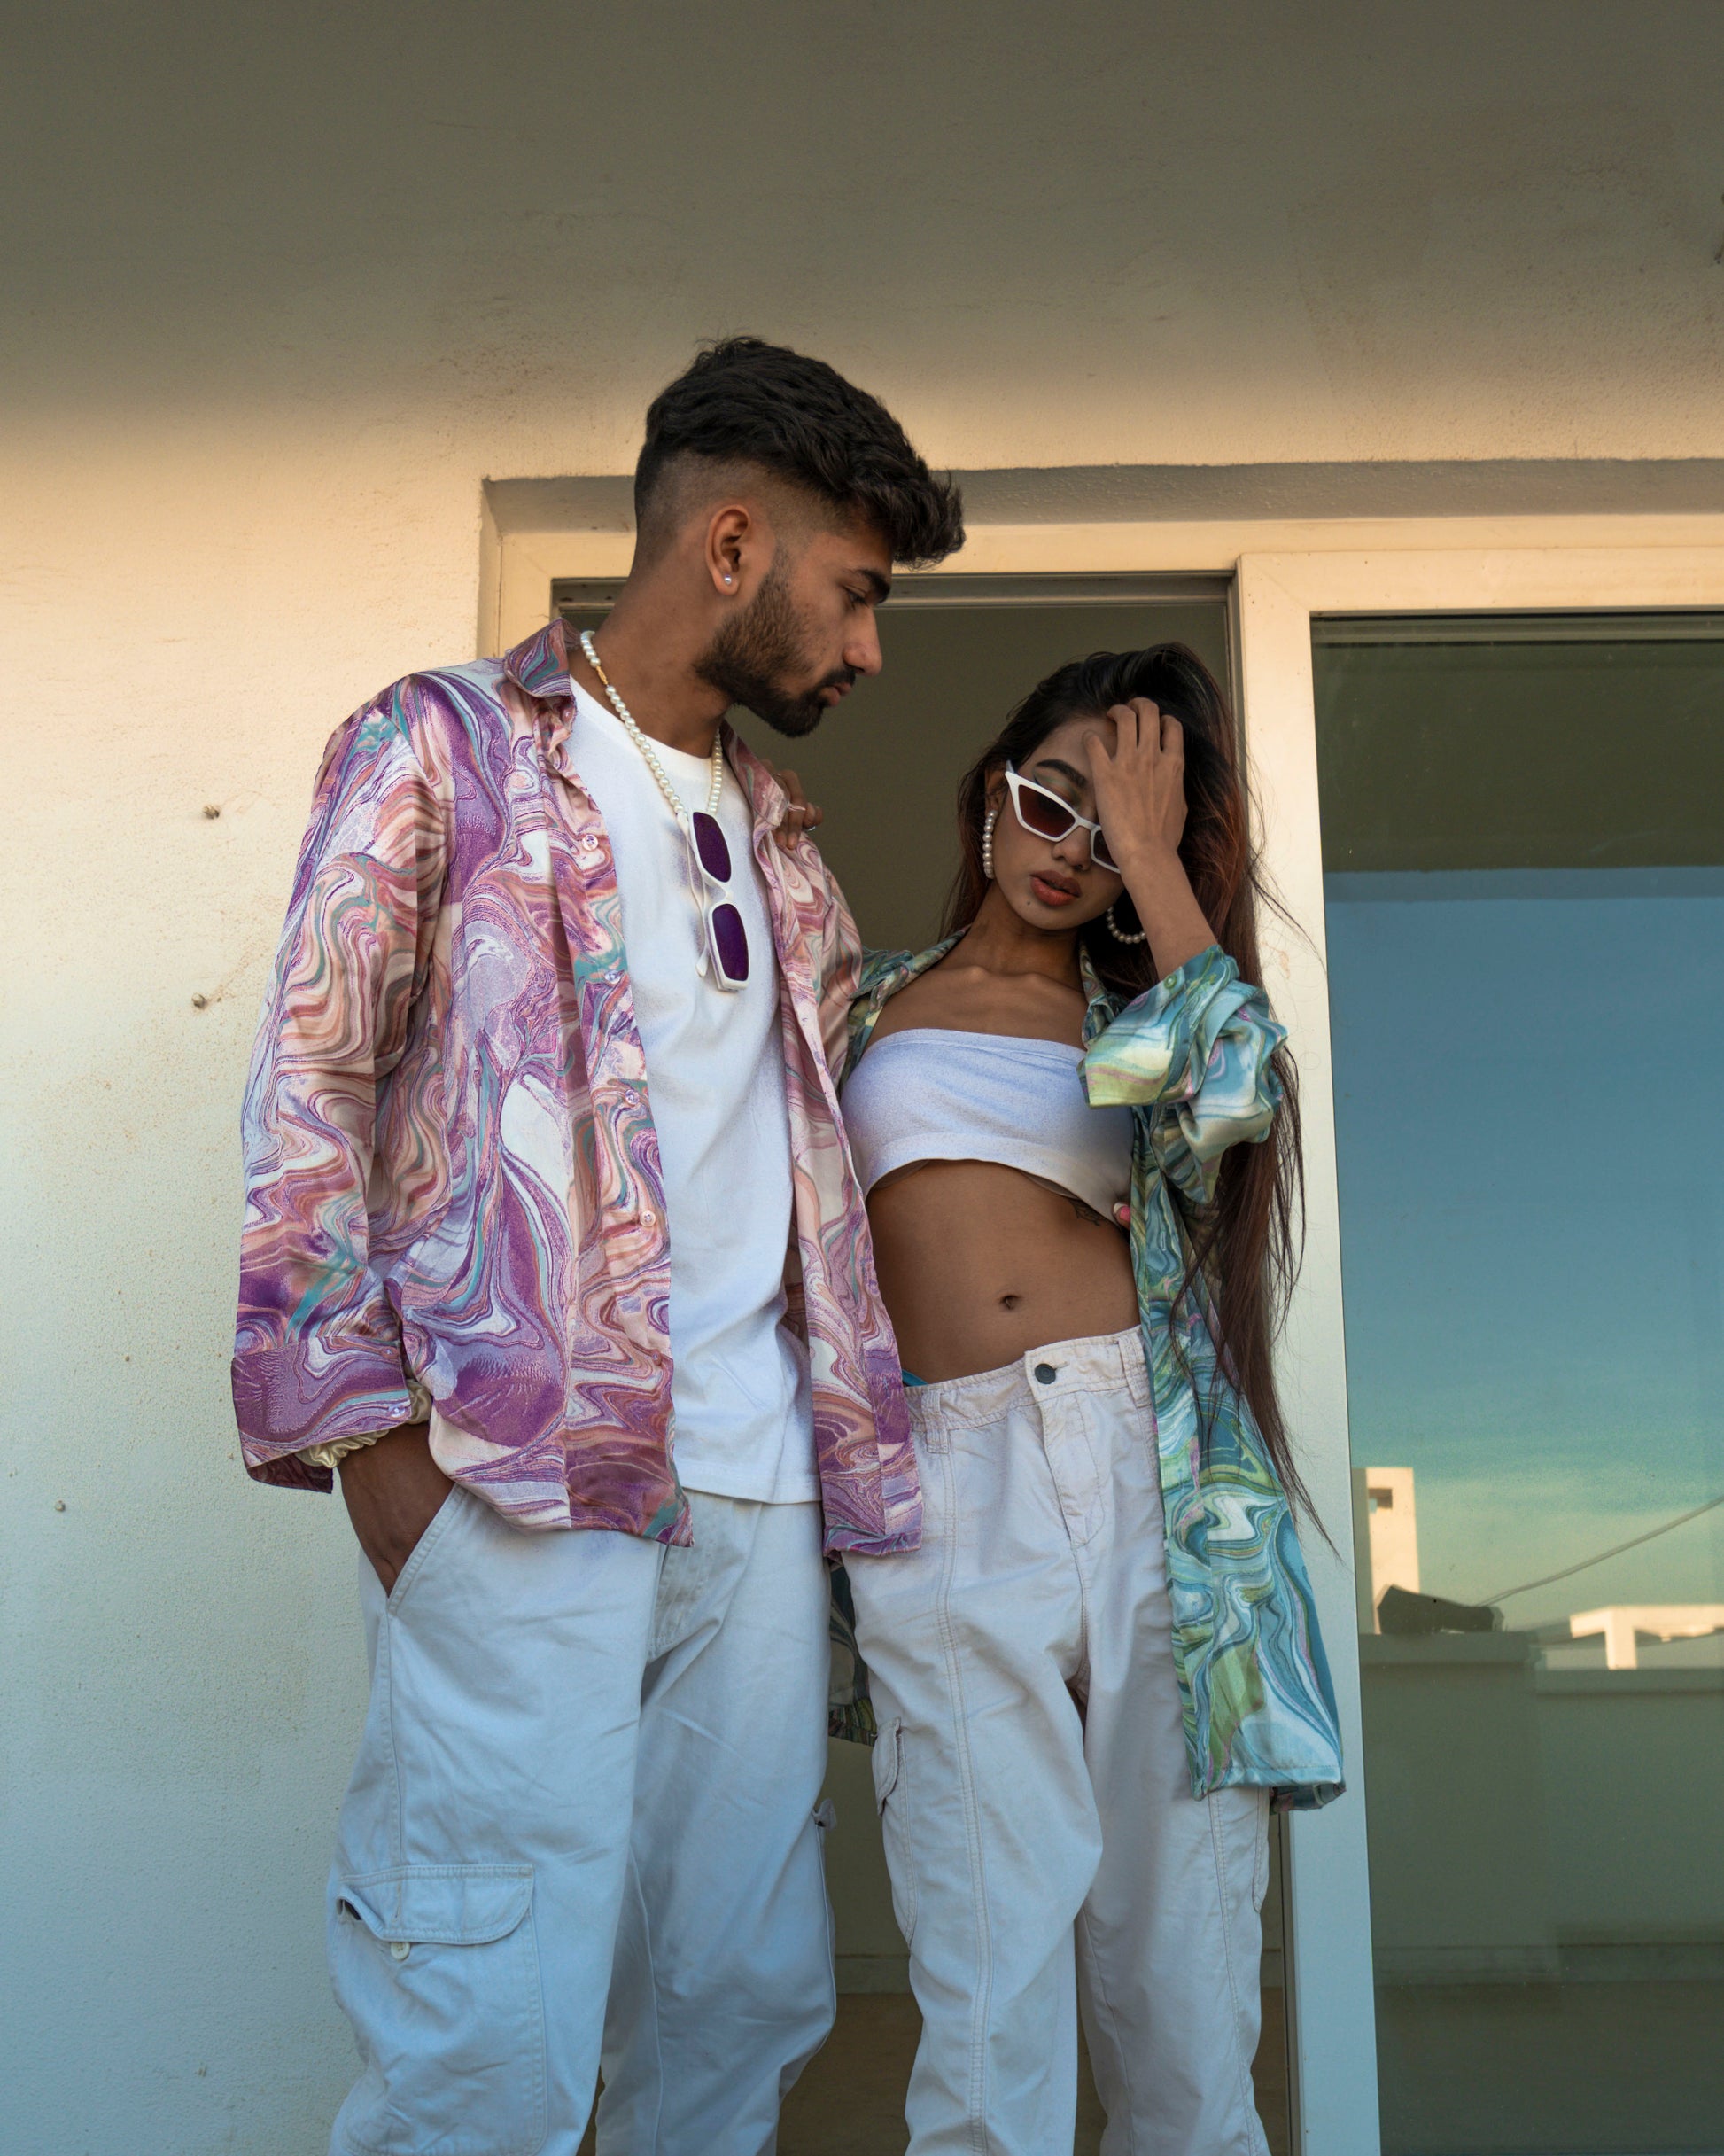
(1045, 1373)
(399, 1948)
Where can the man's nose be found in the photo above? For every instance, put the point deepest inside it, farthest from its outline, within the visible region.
(862, 648)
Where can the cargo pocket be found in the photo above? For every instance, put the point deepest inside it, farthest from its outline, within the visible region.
(891, 1793)
(436, 1967)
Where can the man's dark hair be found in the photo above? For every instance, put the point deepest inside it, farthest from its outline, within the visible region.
(746, 402)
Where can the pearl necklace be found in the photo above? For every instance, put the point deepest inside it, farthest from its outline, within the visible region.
(677, 810)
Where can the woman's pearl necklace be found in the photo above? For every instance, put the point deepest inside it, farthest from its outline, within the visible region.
(717, 787)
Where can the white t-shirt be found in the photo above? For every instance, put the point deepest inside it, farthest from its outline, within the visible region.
(715, 1081)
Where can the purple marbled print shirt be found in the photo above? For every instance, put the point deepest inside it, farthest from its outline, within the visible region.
(450, 1161)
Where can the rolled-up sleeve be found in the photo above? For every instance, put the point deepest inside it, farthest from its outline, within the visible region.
(1194, 1051)
(317, 1352)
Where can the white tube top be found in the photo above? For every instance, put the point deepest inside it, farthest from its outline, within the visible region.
(931, 1093)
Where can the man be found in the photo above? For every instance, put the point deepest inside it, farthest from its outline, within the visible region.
(550, 1227)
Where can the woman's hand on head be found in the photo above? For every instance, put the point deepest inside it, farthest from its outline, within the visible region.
(1139, 780)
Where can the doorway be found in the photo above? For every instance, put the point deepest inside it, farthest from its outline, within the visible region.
(960, 649)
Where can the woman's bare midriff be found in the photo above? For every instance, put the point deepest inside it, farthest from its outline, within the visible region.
(978, 1263)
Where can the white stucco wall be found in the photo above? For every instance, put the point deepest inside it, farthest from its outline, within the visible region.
(282, 288)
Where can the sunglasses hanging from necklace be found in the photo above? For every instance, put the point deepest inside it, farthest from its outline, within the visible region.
(725, 941)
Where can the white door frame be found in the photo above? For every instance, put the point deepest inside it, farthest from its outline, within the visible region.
(1286, 573)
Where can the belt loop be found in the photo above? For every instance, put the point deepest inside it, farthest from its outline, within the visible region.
(926, 1427)
(1136, 1368)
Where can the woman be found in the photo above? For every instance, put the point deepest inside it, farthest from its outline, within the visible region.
(1073, 1120)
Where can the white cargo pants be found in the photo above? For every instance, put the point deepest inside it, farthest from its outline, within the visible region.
(1033, 1785)
(589, 1774)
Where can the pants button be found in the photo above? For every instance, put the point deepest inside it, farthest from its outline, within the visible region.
(1045, 1373)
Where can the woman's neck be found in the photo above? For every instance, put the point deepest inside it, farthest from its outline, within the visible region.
(999, 940)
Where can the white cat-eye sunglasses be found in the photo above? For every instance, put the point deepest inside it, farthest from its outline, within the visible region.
(1044, 815)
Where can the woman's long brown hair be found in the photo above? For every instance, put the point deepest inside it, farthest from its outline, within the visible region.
(1244, 1243)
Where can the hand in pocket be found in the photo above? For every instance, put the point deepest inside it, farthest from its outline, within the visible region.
(394, 1489)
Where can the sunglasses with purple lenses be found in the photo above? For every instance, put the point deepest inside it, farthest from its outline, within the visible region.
(727, 939)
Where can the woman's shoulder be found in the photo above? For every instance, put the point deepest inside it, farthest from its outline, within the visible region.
(880, 968)
(881, 976)
(886, 973)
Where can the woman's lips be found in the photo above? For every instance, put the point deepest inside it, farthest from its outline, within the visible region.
(1051, 894)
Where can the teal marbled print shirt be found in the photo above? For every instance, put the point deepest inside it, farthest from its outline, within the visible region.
(1190, 1059)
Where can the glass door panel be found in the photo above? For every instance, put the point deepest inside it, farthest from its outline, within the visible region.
(1523, 829)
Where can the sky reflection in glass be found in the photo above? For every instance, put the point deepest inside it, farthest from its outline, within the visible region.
(1530, 1109)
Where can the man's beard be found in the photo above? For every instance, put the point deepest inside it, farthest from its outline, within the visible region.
(759, 649)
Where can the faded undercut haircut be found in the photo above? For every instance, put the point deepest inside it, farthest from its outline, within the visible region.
(744, 401)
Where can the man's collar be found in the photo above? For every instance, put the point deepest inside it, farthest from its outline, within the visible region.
(766, 798)
(539, 664)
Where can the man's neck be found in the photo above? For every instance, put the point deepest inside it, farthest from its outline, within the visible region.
(652, 669)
